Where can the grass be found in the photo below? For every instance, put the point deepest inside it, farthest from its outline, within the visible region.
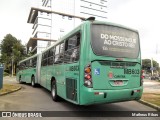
(8, 88)
(153, 98)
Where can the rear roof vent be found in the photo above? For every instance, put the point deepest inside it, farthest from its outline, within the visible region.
(90, 19)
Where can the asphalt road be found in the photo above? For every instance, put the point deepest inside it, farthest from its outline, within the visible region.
(39, 99)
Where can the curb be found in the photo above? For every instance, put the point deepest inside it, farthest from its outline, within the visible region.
(11, 91)
(150, 104)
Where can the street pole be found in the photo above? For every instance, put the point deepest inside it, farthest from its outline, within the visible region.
(152, 66)
(12, 57)
(12, 66)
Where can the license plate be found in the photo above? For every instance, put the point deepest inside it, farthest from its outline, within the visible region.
(118, 82)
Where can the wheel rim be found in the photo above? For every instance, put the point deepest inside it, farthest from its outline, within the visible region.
(20, 80)
(53, 91)
(32, 81)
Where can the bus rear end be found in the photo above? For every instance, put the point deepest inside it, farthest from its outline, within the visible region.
(113, 70)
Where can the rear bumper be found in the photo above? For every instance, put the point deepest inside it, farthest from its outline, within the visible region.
(91, 96)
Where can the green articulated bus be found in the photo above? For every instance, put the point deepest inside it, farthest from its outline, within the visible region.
(28, 70)
(97, 62)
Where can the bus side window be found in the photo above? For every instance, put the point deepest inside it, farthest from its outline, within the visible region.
(61, 54)
(21, 65)
(34, 62)
(43, 60)
(24, 65)
(57, 54)
(31, 62)
(46, 58)
(72, 49)
(51, 56)
(76, 49)
(66, 45)
(27, 63)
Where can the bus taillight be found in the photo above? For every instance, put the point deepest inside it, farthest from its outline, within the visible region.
(87, 77)
(87, 70)
(110, 75)
(142, 77)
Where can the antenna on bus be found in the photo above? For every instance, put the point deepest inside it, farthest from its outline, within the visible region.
(90, 19)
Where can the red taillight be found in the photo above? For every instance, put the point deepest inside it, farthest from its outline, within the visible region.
(87, 77)
(142, 77)
(110, 75)
(142, 74)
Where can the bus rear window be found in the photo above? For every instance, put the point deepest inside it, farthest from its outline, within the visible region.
(114, 41)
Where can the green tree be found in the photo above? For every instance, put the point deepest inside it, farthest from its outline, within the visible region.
(146, 65)
(11, 50)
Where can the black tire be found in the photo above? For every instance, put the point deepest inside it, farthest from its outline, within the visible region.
(33, 81)
(54, 95)
(20, 80)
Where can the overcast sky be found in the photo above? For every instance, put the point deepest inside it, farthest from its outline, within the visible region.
(142, 15)
(13, 18)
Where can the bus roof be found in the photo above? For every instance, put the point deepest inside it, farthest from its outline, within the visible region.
(87, 22)
(114, 24)
(28, 58)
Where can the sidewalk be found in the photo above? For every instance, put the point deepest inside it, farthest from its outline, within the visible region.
(151, 86)
(9, 85)
(151, 94)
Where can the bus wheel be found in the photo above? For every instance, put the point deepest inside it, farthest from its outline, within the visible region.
(54, 91)
(33, 81)
(20, 81)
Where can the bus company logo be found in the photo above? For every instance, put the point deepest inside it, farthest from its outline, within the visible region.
(6, 114)
(119, 76)
(97, 71)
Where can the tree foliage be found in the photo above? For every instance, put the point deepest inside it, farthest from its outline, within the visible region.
(146, 65)
(11, 49)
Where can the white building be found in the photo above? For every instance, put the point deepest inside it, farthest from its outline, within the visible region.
(54, 18)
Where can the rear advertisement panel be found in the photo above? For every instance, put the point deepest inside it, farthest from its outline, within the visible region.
(114, 41)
